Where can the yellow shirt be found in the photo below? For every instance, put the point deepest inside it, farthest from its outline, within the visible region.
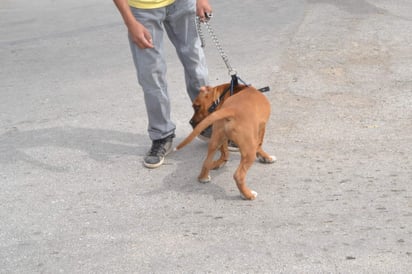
(149, 4)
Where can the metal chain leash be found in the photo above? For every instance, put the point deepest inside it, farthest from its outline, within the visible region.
(213, 36)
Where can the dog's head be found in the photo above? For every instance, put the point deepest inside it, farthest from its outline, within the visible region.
(205, 99)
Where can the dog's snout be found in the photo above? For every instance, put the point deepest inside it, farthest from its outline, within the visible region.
(192, 123)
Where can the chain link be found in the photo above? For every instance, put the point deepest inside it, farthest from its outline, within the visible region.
(213, 36)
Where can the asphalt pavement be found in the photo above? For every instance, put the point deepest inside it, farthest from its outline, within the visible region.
(75, 197)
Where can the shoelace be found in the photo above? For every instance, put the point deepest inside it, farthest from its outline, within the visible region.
(157, 147)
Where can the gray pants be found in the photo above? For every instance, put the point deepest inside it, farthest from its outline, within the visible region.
(178, 19)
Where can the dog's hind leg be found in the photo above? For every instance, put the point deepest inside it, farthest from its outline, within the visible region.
(262, 156)
(240, 176)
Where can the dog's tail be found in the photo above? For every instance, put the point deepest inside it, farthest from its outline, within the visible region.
(214, 116)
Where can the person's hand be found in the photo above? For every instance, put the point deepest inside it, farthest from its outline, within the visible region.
(203, 8)
(140, 36)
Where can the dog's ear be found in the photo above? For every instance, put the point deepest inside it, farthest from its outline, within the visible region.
(215, 93)
(204, 89)
(206, 92)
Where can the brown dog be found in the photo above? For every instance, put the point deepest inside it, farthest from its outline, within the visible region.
(241, 118)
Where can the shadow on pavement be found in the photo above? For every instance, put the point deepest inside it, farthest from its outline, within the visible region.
(99, 144)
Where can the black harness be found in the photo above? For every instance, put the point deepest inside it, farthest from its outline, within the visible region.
(233, 83)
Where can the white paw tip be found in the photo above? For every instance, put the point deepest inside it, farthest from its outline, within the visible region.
(254, 193)
(267, 161)
(204, 181)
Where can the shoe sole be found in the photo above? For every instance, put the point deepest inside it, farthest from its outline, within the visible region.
(203, 138)
(154, 165)
(233, 149)
(206, 139)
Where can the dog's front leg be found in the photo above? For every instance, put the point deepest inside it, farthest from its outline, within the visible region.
(224, 156)
(207, 165)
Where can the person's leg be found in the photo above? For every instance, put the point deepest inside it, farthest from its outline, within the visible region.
(181, 28)
(151, 74)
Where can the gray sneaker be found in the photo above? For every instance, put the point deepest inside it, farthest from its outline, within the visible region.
(156, 155)
(205, 134)
(232, 146)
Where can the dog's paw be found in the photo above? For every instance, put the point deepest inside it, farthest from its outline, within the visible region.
(270, 160)
(205, 180)
(254, 195)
